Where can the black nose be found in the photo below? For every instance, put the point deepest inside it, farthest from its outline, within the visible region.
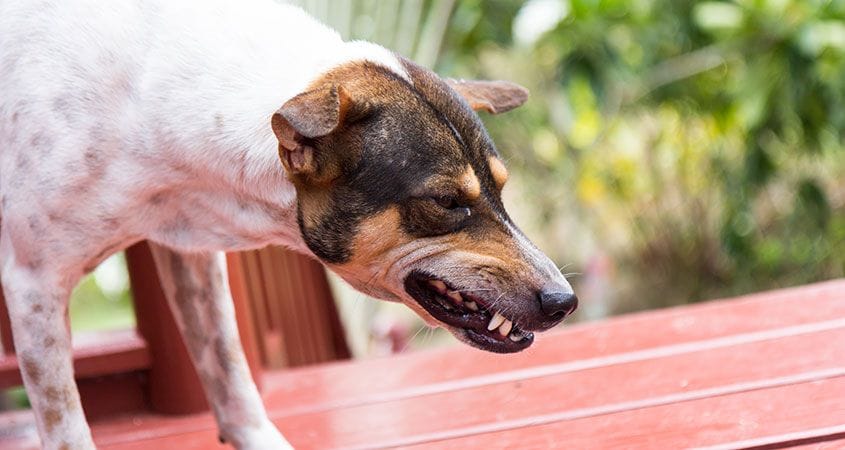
(558, 304)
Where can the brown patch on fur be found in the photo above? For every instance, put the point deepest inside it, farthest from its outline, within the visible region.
(52, 417)
(193, 325)
(157, 198)
(224, 355)
(498, 170)
(21, 162)
(39, 139)
(187, 297)
(220, 392)
(469, 184)
(52, 394)
(30, 368)
(55, 396)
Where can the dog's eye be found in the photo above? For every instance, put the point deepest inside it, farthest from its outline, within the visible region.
(446, 201)
(453, 205)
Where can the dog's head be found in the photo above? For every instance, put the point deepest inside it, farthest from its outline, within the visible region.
(398, 190)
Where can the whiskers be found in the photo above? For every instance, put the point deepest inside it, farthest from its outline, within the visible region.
(414, 336)
(495, 302)
(568, 274)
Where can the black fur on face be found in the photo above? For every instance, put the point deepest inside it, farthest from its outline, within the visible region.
(407, 145)
(400, 195)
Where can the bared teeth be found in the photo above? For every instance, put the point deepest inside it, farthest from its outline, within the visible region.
(505, 328)
(438, 285)
(471, 305)
(516, 337)
(455, 296)
(497, 320)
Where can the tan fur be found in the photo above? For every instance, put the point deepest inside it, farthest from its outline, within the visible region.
(314, 205)
(377, 236)
(498, 170)
(470, 186)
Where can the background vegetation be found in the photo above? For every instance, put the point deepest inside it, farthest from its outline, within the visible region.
(677, 150)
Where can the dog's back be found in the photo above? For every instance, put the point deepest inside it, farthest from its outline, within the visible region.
(105, 107)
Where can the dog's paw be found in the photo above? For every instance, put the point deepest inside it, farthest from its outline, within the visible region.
(266, 437)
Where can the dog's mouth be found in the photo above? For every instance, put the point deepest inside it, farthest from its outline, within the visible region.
(473, 317)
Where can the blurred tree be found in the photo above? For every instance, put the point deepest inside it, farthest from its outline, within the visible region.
(700, 142)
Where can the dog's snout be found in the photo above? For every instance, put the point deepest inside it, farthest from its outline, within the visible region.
(558, 303)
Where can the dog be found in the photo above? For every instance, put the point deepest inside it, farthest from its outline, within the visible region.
(210, 126)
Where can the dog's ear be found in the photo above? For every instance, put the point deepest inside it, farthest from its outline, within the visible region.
(492, 96)
(311, 114)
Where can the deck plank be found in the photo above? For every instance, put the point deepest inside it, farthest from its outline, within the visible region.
(95, 354)
(312, 386)
(707, 421)
(579, 393)
(751, 371)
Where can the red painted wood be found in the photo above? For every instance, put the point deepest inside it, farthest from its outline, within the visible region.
(674, 326)
(6, 342)
(579, 393)
(246, 326)
(95, 354)
(174, 385)
(817, 438)
(704, 422)
(105, 396)
(293, 308)
(763, 371)
(835, 444)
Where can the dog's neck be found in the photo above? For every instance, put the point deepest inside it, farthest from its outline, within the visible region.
(216, 118)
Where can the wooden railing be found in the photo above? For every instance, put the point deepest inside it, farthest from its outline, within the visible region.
(286, 317)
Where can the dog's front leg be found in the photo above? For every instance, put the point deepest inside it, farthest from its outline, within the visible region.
(197, 289)
(37, 303)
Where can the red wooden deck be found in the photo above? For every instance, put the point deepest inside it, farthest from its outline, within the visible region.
(761, 371)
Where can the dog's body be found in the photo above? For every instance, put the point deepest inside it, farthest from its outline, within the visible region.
(130, 120)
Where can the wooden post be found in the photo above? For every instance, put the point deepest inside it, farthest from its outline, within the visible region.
(246, 327)
(292, 308)
(5, 327)
(174, 386)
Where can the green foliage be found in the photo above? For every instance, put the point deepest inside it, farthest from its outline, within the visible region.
(697, 143)
(99, 306)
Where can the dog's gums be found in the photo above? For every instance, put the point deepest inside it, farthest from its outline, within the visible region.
(467, 313)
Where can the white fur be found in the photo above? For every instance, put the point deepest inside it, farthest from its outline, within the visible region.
(124, 120)
(168, 84)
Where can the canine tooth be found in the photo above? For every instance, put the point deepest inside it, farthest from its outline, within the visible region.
(497, 320)
(516, 337)
(505, 328)
(471, 305)
(438, 285)
(456, 296)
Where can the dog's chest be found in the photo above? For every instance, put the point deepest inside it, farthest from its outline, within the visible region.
(202, 219)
